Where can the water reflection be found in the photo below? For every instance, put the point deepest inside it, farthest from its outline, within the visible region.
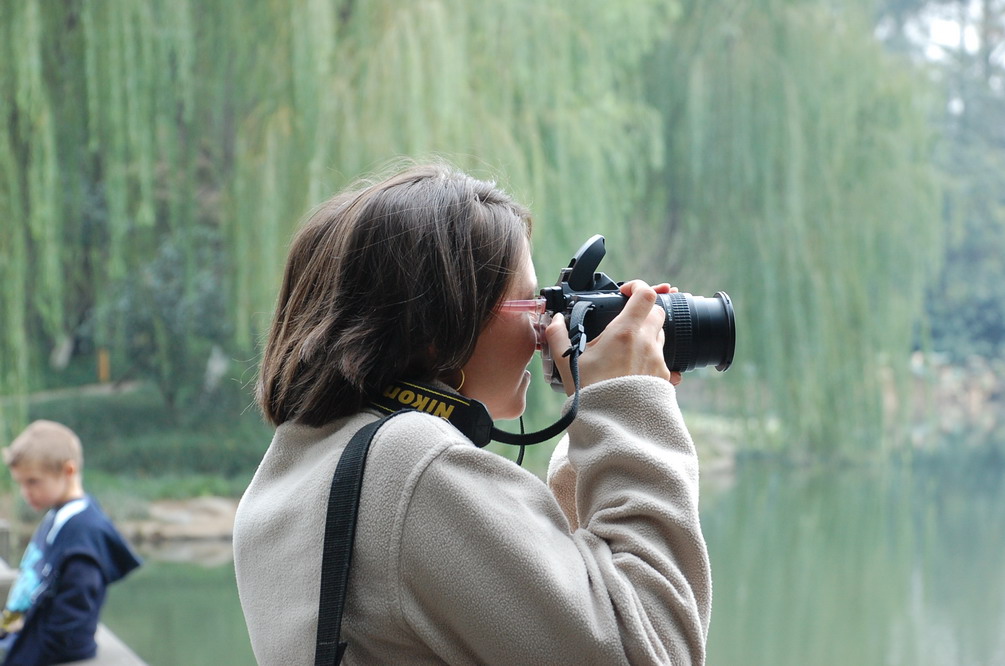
(174, 614)
(894, 566)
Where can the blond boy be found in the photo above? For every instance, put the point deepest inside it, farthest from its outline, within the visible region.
(52, 611)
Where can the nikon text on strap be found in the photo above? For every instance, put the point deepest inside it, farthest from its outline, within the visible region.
(470, 416)
(467, 415)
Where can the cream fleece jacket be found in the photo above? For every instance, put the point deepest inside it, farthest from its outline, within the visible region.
(462, 557)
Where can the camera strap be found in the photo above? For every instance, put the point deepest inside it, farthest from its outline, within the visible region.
(577, 339)
(340, 532)
(470, 416)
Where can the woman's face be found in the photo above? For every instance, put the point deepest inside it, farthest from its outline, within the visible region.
(496, 374)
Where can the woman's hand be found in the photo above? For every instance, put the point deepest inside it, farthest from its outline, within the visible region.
(632, 344)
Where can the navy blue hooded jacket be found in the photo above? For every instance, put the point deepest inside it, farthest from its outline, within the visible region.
(74, 555)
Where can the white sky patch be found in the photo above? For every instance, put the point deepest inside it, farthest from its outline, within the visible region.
(950, 35)
(944, 29)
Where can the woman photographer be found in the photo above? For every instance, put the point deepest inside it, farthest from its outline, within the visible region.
(460, 555)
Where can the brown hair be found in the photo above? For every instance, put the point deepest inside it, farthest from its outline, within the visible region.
(47, 444)
(389, 281)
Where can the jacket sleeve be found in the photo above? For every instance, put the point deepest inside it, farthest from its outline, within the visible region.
(490, 572)
(67, 629)
(561, 479)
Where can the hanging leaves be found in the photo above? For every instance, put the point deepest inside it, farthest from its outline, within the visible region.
(799, 179)
(767, 144)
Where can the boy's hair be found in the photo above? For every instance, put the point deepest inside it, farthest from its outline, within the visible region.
(47, 444)
(388, 281)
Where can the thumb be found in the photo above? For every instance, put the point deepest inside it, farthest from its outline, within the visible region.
(557, 335)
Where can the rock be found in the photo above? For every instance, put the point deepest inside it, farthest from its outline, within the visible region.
(196, 519)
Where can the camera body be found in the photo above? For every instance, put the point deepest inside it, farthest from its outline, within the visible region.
(699, 331)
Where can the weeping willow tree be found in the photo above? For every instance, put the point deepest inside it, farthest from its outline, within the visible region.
(547, 93)
(102, 141)
(799, 178)
(155, 156)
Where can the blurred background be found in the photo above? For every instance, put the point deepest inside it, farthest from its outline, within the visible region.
(838, 167)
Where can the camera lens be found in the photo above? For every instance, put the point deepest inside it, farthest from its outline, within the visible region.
(699, 331)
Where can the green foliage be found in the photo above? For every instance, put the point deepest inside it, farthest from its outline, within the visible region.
(133, 433)
(967, 304)
(168, 315)
(155, 158)
(804, 189)
(191, 118)
(126, 496)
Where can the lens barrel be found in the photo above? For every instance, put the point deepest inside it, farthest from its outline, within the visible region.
(699, 331)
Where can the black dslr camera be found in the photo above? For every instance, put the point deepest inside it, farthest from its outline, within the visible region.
(699, 331)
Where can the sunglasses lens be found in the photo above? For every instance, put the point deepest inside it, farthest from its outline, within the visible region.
(543, 320)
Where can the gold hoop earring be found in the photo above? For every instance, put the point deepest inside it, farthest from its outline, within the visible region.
(458, 387)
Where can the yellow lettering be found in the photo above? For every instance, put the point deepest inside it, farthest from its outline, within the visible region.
(406, 397)
(420, 402)
(443, 410)
(391, 391)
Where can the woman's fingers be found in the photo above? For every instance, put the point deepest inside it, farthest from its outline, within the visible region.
(631, 344)
(557, 336)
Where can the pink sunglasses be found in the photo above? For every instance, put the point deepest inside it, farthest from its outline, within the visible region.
(527, 305)
(531, 305)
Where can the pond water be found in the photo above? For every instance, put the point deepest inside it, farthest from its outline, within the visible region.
(174, 614)
(888, 566)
